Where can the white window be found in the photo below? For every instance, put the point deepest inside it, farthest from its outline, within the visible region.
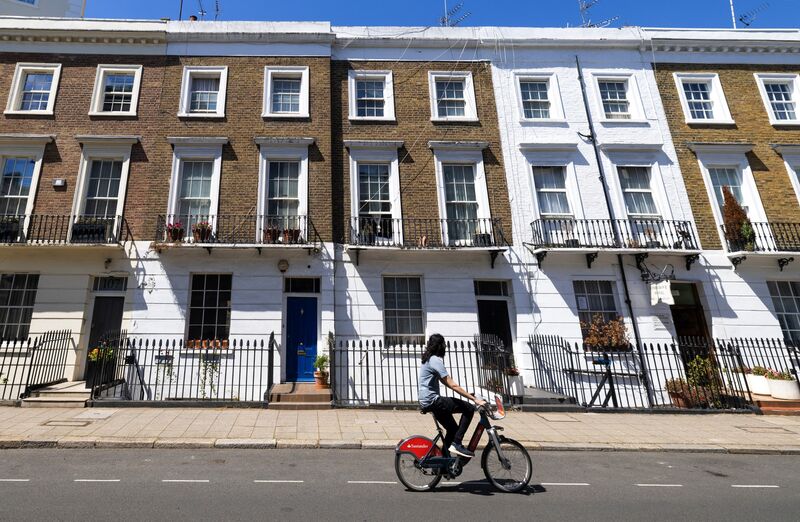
(116, 90)
(203, 92)
(452, 97)
(636, 190)
(786, 300)
(730, 177)
(286, 92)
(16, 180)
(614, 95)
(595, 299)
(283, 198)
(371, 95)
(17, 297)
(102, 193)
(283, 189)
(33, 89)
(403, 314)
(375, 202)
(538, 97)
(551, 191)
(194, 185)
(702, 99)
(461, 202)
(194, 199)
(210, 307)
(780, 93)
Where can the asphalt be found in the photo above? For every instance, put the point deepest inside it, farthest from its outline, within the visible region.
(216, 484)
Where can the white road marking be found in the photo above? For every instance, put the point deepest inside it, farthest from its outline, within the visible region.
(279, 481)
(659, 485)
(371, 482)
(754, 486)
(565, 484)
(196, 481)
(15, 480)
(96, 480)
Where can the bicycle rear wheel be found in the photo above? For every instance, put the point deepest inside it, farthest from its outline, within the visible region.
(518, 474)
(412, 475)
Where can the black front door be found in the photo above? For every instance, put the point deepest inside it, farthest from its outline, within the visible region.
(687, 312)
(493, 320)
(106, 318)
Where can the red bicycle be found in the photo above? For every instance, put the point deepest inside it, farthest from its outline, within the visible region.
(420, 463)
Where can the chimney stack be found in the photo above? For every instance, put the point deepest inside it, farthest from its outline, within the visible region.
(192, 18)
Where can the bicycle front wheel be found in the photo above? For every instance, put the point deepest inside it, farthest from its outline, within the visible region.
(412, 475)
(510, 479)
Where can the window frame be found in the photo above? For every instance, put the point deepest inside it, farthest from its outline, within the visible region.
(187, 150)
(297, 72)
(98, 95)
(23, 147)
(553, 96)
(353, 76)
(22, 306)
(470, 107)
(202, 71)
(377, 153)
(283, 150)
(189, 303)
(422, 304)
(614, 293)
(566, 192)
(776, 283)
(794, 80)
(18, 84)
(654, 193)
(632, 94)
(719, 104)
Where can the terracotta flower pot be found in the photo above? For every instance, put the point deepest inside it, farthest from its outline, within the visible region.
(321, 379)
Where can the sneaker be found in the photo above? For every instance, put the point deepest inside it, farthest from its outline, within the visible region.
(461, 451)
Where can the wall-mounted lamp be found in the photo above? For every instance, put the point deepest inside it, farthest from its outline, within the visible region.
(59, 183)
(283, 265)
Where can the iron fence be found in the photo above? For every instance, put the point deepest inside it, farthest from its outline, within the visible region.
(38, 229)
(28, 365)
(142, 369)
(634, 233)
(764, 237)
(366, 372)
(381, 231)
(232, 229)
(694, 373)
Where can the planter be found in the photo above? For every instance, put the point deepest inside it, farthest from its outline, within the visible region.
(291, 236)
(89, 232)
(9, 231)
(786, 390)
(758, 384)
(321, 380)
(176, 235)
(679, 400)
(271, 235)
(516, 387)
(483, 240)
(202, 235)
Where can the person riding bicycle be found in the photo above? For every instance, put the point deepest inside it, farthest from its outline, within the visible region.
(431, 372)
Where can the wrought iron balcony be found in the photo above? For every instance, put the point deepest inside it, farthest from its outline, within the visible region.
(634, 234)
(236, 230)
(426, 233)
(39, 229)
(764, 238)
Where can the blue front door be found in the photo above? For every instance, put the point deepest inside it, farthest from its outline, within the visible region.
(301, 338)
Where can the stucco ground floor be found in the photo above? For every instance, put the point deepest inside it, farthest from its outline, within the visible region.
(306, 297)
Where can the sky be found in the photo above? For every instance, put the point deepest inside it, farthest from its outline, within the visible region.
(536, 13)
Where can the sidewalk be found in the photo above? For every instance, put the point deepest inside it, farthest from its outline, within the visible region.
(248, 428)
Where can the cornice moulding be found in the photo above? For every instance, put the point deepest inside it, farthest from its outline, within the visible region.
(373, 144)
(720, 148)
(458, 145)
(786, 149)
(21, 139)
(107, 139)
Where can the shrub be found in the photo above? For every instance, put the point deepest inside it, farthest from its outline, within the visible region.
(321, 363)
(601, 335)
(738, 227)
(760, 371)
(779, 376)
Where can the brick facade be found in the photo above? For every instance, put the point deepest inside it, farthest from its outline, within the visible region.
(414, 127)
(752, 126)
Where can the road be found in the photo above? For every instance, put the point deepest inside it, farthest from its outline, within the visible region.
(96, 484)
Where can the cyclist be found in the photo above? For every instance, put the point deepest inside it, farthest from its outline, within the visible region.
(431, 373)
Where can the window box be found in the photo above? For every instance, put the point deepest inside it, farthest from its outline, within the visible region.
(702, 99)
(452, 97)
(33, 89)
(780, 94)
(116, 90)
(371, 95)
(203, 92)
(286, 92)
(91, 230)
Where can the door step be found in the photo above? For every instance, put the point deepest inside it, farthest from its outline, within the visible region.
(53, 402)
(299, 406)
(299, 396)
(63, 395)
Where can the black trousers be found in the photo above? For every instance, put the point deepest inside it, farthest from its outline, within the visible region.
(443, 409)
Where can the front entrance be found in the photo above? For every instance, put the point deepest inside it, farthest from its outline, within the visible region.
(687, 312)
(493, 320)
(106, 318)
(301, 338)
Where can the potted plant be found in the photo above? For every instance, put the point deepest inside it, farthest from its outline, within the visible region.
(321, 373)
(516, 386)
(100, 365)
(271, 233)
(738, 228)
(175, 232)
(201, 231)
(783, 385)
(757, 381)
(677, 389)
(651, 238)
(605, 336)
(89, 230)
(9, 229)
(291, 236)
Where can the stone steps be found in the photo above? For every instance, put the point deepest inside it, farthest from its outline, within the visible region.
(299, 396)
(63, 395)
(54, 402)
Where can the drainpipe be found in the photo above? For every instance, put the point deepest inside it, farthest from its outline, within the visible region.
(607, 196)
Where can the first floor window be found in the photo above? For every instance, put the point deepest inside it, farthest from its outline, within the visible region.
(535, 104)
(103, 189)
(194, 202)
(615, 99)
(730, 177)
(786, 299)
(210, 307)
(15, 185)
(461, 201)
(284, 198)
(403, 316)
(374, 206)
(17, 296)
(551, 190)
(635, 183)
(594, 298)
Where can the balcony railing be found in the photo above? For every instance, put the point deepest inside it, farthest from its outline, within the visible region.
(232, 229)
(765, 237)
(39, 229)
(426, 233)
(634, 233)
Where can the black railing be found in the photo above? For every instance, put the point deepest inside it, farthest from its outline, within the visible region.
(366, 372)
(633, 233)
(232, 370)
(691, 373)
(764, 237)
(41, 229)
(26, 366)
(426, 233)
(229, 229)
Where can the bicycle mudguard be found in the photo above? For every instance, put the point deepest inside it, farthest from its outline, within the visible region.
(418, 446)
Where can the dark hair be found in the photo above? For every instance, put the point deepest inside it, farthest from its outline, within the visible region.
(435, 347)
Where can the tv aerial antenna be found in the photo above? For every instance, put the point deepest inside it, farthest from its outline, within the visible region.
(453, 17)
(202, 12)
(749, 17)
(584, 6)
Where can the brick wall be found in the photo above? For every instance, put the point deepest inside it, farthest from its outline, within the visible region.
(414, 127)
(752, 126)
(151, 162)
